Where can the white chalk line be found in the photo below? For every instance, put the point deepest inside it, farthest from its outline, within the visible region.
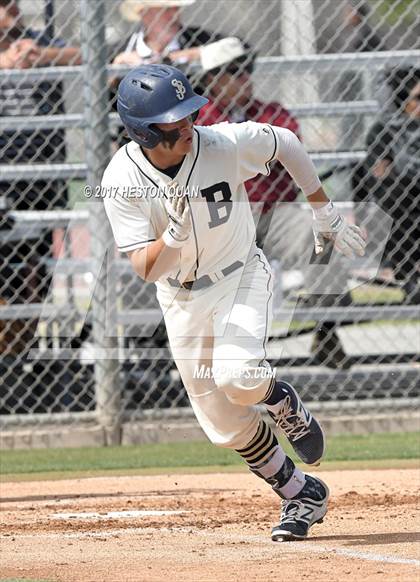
(300, 546)
(114, 514)
(303, 546)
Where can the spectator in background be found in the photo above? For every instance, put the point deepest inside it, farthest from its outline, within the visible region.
(161, 35)
(228, 65)
(393, 178)
(361, 36)
(356, 36)
(22, 277)
(358, 86)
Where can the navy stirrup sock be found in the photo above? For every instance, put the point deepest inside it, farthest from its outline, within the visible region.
(276, 392)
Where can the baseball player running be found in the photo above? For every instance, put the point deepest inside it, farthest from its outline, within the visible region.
(186, 225)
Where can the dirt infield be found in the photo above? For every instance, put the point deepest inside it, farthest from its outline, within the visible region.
(220, 531)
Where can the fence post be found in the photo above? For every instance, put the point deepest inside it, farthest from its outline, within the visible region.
(97, 143)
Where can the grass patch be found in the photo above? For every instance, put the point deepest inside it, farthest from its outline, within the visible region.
(395, 12)
(173, 456)
(377, 294)
(373, 294)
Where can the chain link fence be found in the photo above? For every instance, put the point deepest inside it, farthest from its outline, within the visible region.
(82, 338)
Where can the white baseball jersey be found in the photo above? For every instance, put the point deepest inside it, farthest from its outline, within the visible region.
(213, 174)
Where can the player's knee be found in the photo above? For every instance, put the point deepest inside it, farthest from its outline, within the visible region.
(245, 388)
(238, 395)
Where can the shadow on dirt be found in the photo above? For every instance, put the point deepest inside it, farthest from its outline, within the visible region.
(373, 539)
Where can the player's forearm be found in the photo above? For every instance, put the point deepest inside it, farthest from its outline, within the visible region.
(292, 154)
(318, 199)
(154, 261)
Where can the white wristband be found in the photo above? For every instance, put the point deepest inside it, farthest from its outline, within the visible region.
(324, 211)
(170, 241)
(328, 218)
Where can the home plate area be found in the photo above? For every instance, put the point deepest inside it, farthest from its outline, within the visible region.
(203, 527)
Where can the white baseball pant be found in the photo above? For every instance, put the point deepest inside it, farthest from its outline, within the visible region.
(220, 332)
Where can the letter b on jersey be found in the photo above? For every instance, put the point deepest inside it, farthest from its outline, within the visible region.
(219, 203)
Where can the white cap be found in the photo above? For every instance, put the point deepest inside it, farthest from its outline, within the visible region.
(130, 9)
(221, 52)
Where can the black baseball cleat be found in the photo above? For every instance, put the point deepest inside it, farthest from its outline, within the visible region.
(302, 430)
(302, 512)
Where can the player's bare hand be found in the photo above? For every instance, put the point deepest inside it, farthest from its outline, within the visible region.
(179, 227)
(330, 225)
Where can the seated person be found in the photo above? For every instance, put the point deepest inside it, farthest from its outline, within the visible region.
(393, 171)
(23, 48)
(160, 35)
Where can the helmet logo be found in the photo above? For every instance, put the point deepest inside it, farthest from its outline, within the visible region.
(180, 90)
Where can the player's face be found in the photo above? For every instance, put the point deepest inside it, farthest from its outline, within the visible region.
(178, 136)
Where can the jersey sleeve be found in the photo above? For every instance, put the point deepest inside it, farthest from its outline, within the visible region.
(259, 144)
(129, 217)
(257, 147)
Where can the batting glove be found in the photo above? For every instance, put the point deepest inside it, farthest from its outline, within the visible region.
(179, 228)
(329, 224)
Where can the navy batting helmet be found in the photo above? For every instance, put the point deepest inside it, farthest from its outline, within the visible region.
(153, 94)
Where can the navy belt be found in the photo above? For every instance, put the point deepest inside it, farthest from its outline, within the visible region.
(206, 280)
